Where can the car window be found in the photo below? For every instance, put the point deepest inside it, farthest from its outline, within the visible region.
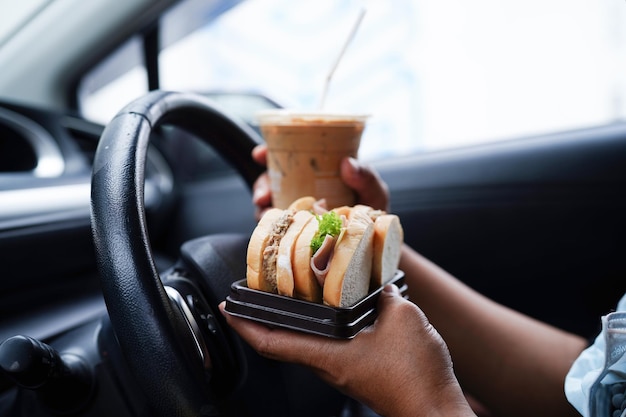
(114, 82)
(431, 74)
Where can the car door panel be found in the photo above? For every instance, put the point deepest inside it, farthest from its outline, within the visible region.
(537, 224)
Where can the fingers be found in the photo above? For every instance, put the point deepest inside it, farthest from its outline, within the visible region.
(259, 154)
(279, 344)
(370, 188)
(261, 195)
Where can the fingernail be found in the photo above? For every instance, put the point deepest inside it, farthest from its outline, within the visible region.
(391, 288)
(351, 170)
(257, 194)
(354, 165)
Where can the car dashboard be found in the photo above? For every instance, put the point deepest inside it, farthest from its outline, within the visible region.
(49, 282)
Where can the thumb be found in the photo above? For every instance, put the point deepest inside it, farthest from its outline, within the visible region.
(371, 190)
(389, 297)
(393, 307)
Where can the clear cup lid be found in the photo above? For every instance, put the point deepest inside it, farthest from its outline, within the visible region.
(286, 116)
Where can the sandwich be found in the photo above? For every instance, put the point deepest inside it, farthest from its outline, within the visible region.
(293, 274)
(263, 249)
(335, 257)
(346, 275)
(388, 238)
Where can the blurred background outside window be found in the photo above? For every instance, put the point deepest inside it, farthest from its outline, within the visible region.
(433, 75)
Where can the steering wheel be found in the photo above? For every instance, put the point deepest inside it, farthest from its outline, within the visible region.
(180, 352)
(177, 345)
(178, 349)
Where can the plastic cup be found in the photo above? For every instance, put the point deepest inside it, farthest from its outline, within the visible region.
(305, 150)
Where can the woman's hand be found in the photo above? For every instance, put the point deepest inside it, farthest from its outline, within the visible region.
(371, 190)
(399, 366)
(261, 192)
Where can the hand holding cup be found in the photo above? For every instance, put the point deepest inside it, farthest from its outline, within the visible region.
(366, 183)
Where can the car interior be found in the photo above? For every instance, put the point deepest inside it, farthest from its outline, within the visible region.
(121, 233)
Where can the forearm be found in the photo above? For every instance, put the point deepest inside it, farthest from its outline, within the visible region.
(512, 363)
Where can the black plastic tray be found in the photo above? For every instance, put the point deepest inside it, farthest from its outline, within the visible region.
(291, 313)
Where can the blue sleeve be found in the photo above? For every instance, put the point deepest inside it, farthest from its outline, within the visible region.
(599, 367)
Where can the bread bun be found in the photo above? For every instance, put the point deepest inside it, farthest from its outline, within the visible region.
(255, 273)
(388, 237)
(306, 286)
(303, 203)
(359, 252)
(351, 263)
(343, 211)
(286, 250)
(309, 203)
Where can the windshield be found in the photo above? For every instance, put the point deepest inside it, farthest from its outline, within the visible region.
(432, 74)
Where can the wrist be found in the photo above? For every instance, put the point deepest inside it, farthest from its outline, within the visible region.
(448, 401)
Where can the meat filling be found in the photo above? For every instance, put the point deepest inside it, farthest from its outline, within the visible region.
(271, 250)
(321, 260)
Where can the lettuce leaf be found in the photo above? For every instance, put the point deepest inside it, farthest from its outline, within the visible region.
(329, 224)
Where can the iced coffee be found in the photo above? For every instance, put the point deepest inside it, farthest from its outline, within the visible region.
(305, 152)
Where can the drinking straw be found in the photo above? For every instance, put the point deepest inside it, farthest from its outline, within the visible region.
(329, 76)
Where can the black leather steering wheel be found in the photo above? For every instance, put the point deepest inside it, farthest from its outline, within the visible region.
(177, 346)
(153, 333)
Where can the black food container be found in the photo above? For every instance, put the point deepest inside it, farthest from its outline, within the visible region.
(294, 314)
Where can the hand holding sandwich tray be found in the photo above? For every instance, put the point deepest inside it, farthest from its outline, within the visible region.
(326, 267)
(400, 365)
(380, 366)
(385, 362)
